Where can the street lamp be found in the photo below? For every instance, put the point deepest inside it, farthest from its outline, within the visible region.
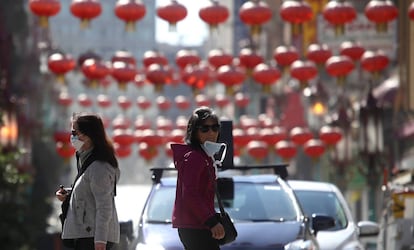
(8, 130)
(371, 145)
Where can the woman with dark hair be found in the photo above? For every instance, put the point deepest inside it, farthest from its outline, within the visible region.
(194, 214)
(90, 220)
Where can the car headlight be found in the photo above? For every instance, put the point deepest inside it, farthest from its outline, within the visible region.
(141, 246)
(300, 245)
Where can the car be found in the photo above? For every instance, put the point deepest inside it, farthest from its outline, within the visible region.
(262, 206)
(325, 198)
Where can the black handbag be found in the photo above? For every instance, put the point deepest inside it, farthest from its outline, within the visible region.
(225, 220)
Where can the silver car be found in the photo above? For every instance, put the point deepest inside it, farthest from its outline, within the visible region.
(325, 198)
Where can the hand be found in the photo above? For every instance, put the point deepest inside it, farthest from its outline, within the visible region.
(100, 246)
(61, 194)
(217, 232)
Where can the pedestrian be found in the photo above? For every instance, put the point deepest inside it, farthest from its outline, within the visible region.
(90, 221)
(194, 214)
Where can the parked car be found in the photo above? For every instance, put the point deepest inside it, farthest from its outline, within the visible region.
(326, 198)
(263, 207)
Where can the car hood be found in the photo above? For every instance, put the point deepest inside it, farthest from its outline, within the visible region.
(257, 235)
(332, 240)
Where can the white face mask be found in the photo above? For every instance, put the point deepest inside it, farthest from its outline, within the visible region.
(76, 143)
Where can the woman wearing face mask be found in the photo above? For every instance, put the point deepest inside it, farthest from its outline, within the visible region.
(194, 212)
(91, 221)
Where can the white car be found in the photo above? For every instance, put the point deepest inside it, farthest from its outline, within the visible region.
(325, 198)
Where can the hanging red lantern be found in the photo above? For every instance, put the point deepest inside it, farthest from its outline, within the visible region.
(89, 54)
(285, 149)
(61, 136)
(231, 77)
(411, 11)
(154, 57)
(172, 12)
(330, 135)
(318, 53)
(84, 100)
(139, 80)
(352, 49)
(123, 73)
(124, 137)
(374, 61)
(95, 70)
(164, 126)
(143, 103)
(339, 13)
(314, 148)
(249, 58)
(65, 99)
(266, 75)
(241, 100)
(258, 150)
(181, 122)
(303, 71)
(296, 13)
(130, 11)
(163, 103)
(196, 77)
(381, 12)
(285, 55)
(147, 152)
(255, 13)
(182, 102)
(213, 14)
(339, 67)
(158, 75)
(65, 150)
(247, 121)
(240, 138)
(151, 138)
(122, 151)
(218, 57)
(222, 100)
(124, 103)
(124, 56)
(300, 135)
(60, 64)
(103, 101)
(176, 136)
(44, 9)
(121, 122)
(85, 10)
(202, 100)
(272, 135)
(140, 124)
(186, 57)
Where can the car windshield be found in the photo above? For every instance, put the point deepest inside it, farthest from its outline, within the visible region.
(251, 202)
(316, 202)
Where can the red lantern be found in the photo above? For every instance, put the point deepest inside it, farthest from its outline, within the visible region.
(202, 100)
(303, 71)
(65, 99)
(230, 76)
(122, 151)
(319, 53)
(143, 103)
(177, 135)
(300, 135)
(159, 75)
(330, 135)
(181, 122)
(123, 56)
(163, 103)
(285, 55)
(62, 136)
(87, 55)
(222, 100)
(84, 100)
(60, 64)
(44, 9)
(258, 150)
(121, 122)
(173, 12)
(240, 138)
(218, 57)
(249, 58)
(186, 57)
(139, 80)
(272, 135)
(266, 75)
(123, 73)
(411, 11)
(285, 149)
(151, 138)
(241, 100)
(213, 14)
(182, 102)
(255, 13)
(103, 101)
(147, 152)
(340, 67)
(154, 57)
(314, 148)
(95, 70)
(141, 124)
(65, 150)
(352, 49)
(338, 14)
(296, 13)
(381, 12)
(374, 62)
(124, 103)
(124, 137)
(196, 77)
(163, 126)
(130, 11)
(85, 10)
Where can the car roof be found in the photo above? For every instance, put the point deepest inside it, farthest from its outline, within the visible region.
(312, 185)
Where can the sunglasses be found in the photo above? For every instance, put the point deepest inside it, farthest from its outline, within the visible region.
(206, 128)
(74, 132)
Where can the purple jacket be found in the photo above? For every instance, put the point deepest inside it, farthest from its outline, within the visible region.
(194, 200)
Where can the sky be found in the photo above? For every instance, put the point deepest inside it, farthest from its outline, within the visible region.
(191, 31)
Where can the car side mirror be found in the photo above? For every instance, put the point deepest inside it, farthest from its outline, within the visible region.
(368, 228)
(322, 222)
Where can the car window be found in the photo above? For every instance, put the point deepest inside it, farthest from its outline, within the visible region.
(323, 203)
(260, 202)
(160, 206)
